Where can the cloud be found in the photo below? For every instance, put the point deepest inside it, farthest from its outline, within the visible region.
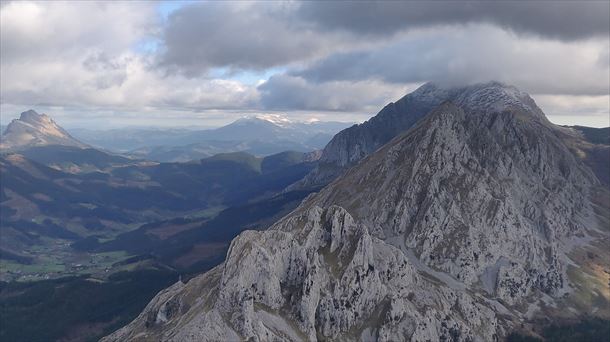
(249, 36)
(397, 42)
(82, 55)
(566, 20)
(562, 105)
(337, 58)
(285, 92)
(42, 31)
(474, 54)
(124, 82)
(576, 110)
(68, 52)
(244, 36)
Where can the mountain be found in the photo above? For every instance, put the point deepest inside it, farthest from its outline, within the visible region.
(352, 144)
(39, 138)
(481, 219)
(273, 127)
(259, 135)
(33, 130)
(131, 138)
(212, 147)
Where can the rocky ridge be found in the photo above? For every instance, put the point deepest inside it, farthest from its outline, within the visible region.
(32, 130)
(460, 228)
(352, 144)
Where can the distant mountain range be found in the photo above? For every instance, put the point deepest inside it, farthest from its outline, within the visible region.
(56, 187)
(39, 138)
(259, 135)
(39, 204)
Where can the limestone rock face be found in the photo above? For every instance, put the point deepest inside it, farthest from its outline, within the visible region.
(484, 196)
(455, 230)
(33, 129)
(315, 275)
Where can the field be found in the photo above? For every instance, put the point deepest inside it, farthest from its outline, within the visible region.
(56, 259)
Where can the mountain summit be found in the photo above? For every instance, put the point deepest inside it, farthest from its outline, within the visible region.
(472, 222)
(352, 144)
(32, 130)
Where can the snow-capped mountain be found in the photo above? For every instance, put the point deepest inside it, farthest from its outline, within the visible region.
(272, 127)
(276, 119)
(474, 221)
(33, 129)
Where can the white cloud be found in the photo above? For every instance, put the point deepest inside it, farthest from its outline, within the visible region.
(85, 59)
(82, 55)
(582, 110)
(128, 83)
(39, 31)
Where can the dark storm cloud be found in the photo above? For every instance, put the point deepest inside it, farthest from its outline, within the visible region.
(566, 20)
(286, 92)
(257, 36)
(236, 36)
(283, 92)
(470, 55)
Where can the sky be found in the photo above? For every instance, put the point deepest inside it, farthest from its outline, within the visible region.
(206, 63)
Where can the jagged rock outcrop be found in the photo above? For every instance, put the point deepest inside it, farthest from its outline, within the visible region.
(315, 275)
(33, 129)
(476, 194)
(455, 230)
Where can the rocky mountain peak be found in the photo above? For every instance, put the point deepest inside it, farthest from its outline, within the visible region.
(33, 129)
(32, 117)
(481, 97)
(352, 144)
(495, 96)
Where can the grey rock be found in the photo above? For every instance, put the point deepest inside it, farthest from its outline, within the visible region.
(445, 233)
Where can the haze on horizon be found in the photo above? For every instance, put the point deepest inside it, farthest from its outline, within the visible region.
(180, 63)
